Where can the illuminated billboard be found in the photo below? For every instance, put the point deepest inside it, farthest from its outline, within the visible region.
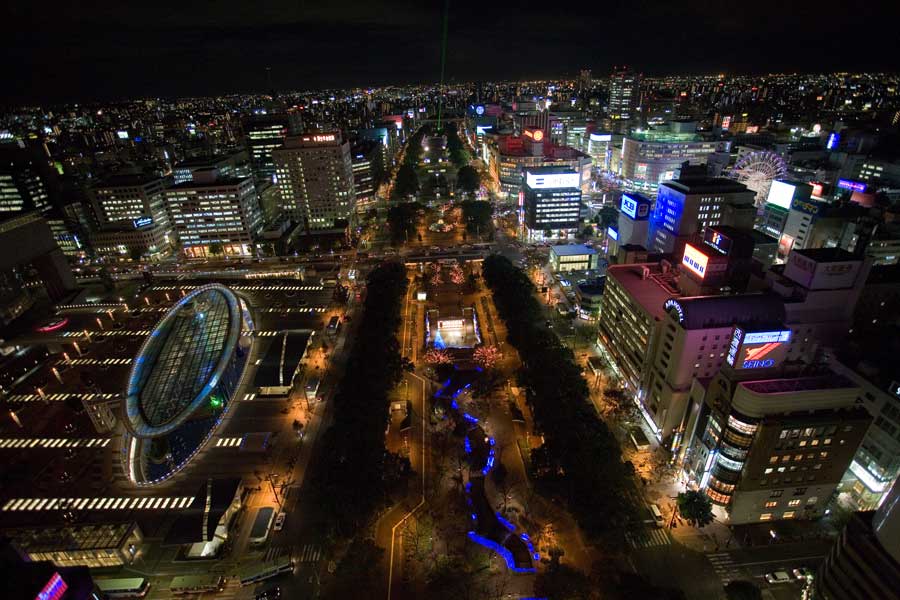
(479, 110)
(552, 180)
(612, 233)
(695, 261)
(123, 135)
(781, 193)
(834, 139)
(853, 186)
(785, 244)
(600, 137)
(717, 240)
(758, 349)
(142, 222)
(726, 123)
(636, 208)
(673, 305)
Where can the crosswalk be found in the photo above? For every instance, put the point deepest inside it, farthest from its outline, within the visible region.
(724, 566)
(307, 310)
(310, 553)
(648, 538)
(121, 332)
(250, 288)
(60, 397)
(8, 443)
(143, 503)
(96, 361)
(228, 442)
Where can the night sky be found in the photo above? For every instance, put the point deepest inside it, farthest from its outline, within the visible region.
(84, 49)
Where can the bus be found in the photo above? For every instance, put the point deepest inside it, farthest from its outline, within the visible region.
(256, 572)
(261, 525)
(334, 325)
(193, 584)
(130, 587)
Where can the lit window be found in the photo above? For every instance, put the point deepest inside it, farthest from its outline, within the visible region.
(771, 504)
(793, 503)
(769, 470)
(823, 454)
(789, 514)
(765, 517)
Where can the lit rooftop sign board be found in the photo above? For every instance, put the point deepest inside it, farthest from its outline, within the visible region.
(673, 305)
(634, 208)
(695, 261)
(612, 233)
(833, 140)
(768, 337)
(601, 137)
(320, 138)
(717, 240)
(736, 339)
(853, 186)
(142, 222)
(54, 589)
(780, 194)
(551, 180)
(479, 110)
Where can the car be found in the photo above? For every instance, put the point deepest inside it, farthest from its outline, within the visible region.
(269, 594)
(803, 573)
(778, 577)
(279, 521)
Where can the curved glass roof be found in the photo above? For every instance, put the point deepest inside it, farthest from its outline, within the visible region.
(179, 364)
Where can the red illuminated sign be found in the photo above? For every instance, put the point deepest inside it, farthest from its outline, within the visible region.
(54, 589)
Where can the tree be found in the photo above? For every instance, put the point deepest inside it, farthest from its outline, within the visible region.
(457, 276)
(477, 215)
(358, 569)
(562, 583)
(742, 590)
(695, 507)
(608, 215)
(587, 231)
(402, 219)
(406, 183)
(468, 179)
(106, 278)
(436, 356)
(215, 249)
(487, 357)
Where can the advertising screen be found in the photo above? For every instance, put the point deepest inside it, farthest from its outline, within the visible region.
(552, 180)
(695, 261)
(785, 244)
(612, 233)
(781, 194)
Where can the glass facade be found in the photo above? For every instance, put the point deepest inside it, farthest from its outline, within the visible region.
(183, 381)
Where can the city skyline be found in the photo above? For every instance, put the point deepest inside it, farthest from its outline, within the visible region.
(131, 51)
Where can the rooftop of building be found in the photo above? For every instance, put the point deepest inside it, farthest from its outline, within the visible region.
(128, 180)
(202, 161)
(792, 385)
(572, 249)
(663, 137)
(281, 359)
(701, 185)
(747, 310)
(216, 182)
(827, 255)
(647, 290)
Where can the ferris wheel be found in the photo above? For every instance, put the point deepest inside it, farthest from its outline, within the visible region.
(757, 170)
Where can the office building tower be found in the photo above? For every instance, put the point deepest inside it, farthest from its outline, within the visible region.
(315, 176)
(651, 157)
(772, 448)
(864, 562)
(685, 207)
(229, 165)
(634, 220)
(508, 157)
(600, 149)
(23, 185)
(624, 94)
(366, 157)
(552, 203)
(585, 83)
(131, 216)
(264, 132)
(215, 215)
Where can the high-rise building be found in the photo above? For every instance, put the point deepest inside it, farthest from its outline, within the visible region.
(366, 156)
(865, 560)
(132, 217)
(264, 132)
(650, 157)
(215, 215)
(772, 448)
(585, 83)
(508, 158)
(687, 206)
(624, 94)
(22, 184)
(552, 202)
(315, 176)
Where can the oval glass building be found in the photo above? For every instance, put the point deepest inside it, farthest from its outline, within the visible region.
(182, 382)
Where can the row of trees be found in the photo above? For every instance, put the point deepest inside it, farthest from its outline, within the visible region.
(580, 461)
(406, 183)
(356, 474)
(458, 154)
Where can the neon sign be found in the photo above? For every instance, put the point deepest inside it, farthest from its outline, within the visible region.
(833, 140)
(736, 340)
(552, 180)
(695, 260)
(853, 186)
(673, 304)
(54, 589)
(479, 110)
(768, 337)
(142, 222)
(629, 206)
(718, 241)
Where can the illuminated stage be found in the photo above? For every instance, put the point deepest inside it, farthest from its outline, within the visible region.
(452, 331)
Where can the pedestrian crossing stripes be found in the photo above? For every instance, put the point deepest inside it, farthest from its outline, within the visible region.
(59, 397)
(109, 503)
(140, 332)
(6, 443)
(261, 333)
(229, 442)
(250, 288)
(275, 309)
(724, 566)
(249, 396)
(648, 538)
(311, 553)
(103, 307)
(96, 361)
